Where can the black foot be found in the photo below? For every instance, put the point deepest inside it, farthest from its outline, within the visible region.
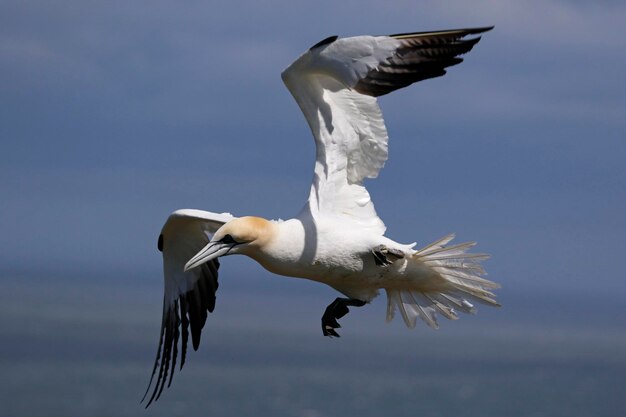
(336, 310)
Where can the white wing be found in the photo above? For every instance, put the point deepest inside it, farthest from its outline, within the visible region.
(336, 83)
(188, 295)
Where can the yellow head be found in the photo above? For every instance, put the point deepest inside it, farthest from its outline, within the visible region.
(241, 235)
(247, 230)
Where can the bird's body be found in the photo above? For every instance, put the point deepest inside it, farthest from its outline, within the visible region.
(337, 238)
(340, 256)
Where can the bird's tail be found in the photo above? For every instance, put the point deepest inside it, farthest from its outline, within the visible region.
(452, 282)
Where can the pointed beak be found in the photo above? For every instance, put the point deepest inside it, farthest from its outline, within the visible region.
(209, 252)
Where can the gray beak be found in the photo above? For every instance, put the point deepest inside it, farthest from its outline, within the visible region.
(209, 252)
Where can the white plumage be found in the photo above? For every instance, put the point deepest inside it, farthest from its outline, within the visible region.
(337, 238)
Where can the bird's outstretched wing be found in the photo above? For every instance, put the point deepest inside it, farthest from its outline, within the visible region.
(188, 295)
(336, 83)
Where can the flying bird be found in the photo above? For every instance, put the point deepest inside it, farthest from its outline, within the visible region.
(337, 238)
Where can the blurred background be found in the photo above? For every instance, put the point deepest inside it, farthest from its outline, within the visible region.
(113, 114)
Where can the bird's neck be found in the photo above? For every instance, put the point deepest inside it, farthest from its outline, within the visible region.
(281, 246)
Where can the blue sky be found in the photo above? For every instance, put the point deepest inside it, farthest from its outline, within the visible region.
(113, 114)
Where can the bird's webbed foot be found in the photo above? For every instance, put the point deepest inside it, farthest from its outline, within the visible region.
(336, 310)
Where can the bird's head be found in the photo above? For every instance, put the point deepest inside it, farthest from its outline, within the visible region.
(242, 235)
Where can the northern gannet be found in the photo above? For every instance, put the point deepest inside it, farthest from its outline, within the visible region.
(337, 238)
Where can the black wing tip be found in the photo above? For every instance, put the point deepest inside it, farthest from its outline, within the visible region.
(189, 310)
(195, 340)
(323, 42)
(167, 341)
(464, 32)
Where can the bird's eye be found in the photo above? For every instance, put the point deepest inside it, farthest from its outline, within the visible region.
(228, 239)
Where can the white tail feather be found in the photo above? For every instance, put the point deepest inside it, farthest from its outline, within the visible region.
(457, 277)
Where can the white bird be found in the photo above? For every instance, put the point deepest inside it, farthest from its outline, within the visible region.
(337, 238)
